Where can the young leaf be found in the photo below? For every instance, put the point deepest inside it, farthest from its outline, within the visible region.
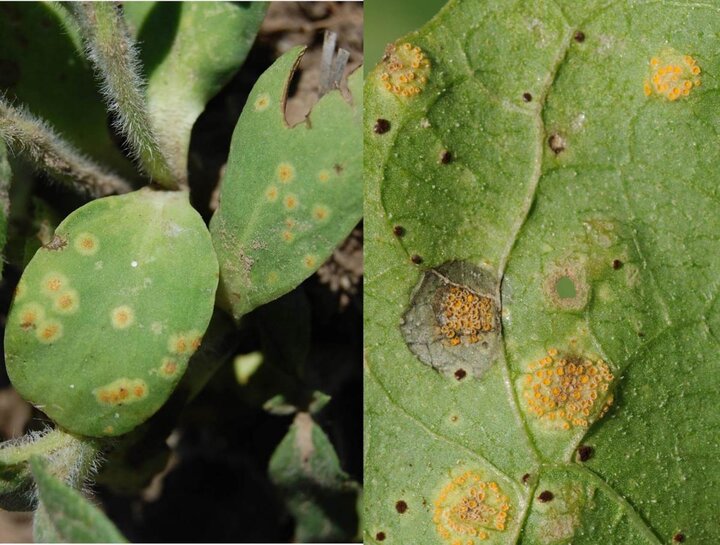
(189, 51)
(42, 67)
(317, 492)
(65, 516)
(112, 50)
(542, 215)
(290, 194)
(115, 305)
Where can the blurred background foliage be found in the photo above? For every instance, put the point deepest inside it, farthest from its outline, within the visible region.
(387, 20)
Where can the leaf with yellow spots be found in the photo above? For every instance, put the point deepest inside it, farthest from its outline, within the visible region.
(542, 218)
(80, 342)
(290, 195)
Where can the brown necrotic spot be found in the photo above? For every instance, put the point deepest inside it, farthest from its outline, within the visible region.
(527, 97)
(380, 536)
(585, 452)
(546, 496)
(416, 259)
(399, 231)
(679, 538)
(556, 143)
(617, 264)
(453, 322)
(579, 36)
(401, 506)
(445, 157)
(526, 478)
(381, 126)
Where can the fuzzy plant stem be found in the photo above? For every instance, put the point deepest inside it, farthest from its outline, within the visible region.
(33, 139)
(112, 50)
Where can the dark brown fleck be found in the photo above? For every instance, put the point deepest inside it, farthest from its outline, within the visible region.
(527, 97)
(585, 452)
(525, 478)
(545, 496)
(579, 36)
(416, 259)
(679, 538)
(641, 334)
(401, 506)
(556, 143)
(399, 231)
(338, 168)
(460, 374)
(617, 264)
(380, 536)
(445, 157)
(381, 126)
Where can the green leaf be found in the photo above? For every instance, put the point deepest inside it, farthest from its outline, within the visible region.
(65, 516)
(540, 208)
(290, 194)
(114, 305)
(42, 67)
(17, 486)
(319, 495)
(189, 51)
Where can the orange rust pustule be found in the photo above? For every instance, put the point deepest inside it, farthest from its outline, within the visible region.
(464, 314)
(562, 391)
(406, 69)
(470, 509)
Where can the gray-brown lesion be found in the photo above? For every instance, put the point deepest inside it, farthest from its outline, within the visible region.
(453, 319)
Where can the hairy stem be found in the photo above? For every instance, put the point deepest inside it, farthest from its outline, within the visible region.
(33, 139)
(111, 49)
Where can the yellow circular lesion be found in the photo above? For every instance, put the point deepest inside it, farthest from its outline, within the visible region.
(49, 331)
(122, 317)
(271, 193)
(67, 302)
(320, 212)
(262, 102)
(406, 70)
(310, 261)
(567, 391)
(30, 314)
(168, 367)
(178, 344)
(290, 202)
(86, 244)
(672, 76)
(20, 290)
(324, 176)
(285, 173)
(287, 236)
(470, 509)
(121, 391)
(53, 283)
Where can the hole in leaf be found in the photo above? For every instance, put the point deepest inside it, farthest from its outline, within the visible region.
(565, 288)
